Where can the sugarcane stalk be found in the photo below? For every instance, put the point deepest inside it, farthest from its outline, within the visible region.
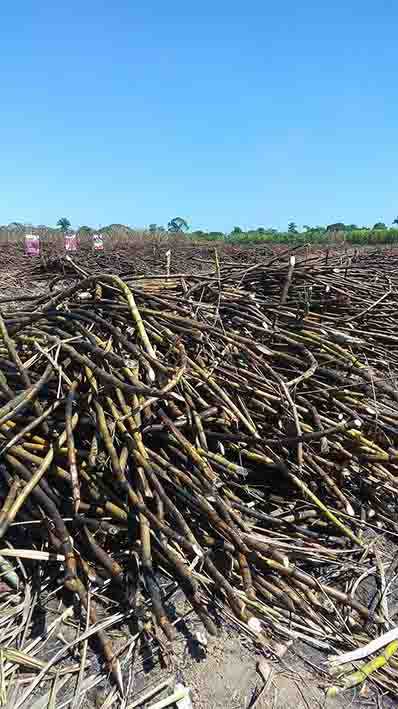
(74, 474)
(362, 674)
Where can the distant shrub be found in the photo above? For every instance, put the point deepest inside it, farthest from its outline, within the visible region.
(215, 236)
(372, 236)
(379, 225)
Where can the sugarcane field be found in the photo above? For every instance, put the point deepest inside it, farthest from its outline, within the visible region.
(198, 474)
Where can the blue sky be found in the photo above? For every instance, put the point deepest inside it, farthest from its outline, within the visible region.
(224, 113)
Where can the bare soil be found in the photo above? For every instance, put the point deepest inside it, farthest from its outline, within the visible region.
(223, 673)
(226, 675)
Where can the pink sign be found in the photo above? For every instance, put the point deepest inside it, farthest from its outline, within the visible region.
(98, 242)
(70, 242)
(32, 244)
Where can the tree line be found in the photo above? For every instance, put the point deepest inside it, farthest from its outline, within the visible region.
(380, 232)
(178, 224)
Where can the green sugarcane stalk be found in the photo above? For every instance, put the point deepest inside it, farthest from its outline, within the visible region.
(365, 671)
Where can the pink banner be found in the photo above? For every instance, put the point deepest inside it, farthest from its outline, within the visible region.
(98, 242)
(32, 244)
(70, 242)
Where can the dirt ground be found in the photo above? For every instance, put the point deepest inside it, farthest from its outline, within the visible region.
(226, 675)
(236, 672)
(231, 671)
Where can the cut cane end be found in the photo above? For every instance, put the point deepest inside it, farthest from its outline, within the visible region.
(201, 638)
(332, 692)
(254, 625)
(117, 673)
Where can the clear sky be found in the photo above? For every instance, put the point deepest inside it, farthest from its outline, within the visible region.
(225, 113)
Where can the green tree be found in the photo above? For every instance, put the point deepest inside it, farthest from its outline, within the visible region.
(63, 223)
(153, 228)
(15, 225)
(237, 230)
(85, 229)
(379, 225)
(315, 230)
(395, 220)
(292, 228)
(338, 226)
(177, 225)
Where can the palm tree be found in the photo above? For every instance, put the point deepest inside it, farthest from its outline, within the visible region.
(63, 223)
(178, 224)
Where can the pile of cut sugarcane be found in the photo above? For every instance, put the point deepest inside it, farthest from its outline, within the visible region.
(237, 434)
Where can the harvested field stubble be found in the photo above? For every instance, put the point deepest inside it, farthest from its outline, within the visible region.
(235, 430)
